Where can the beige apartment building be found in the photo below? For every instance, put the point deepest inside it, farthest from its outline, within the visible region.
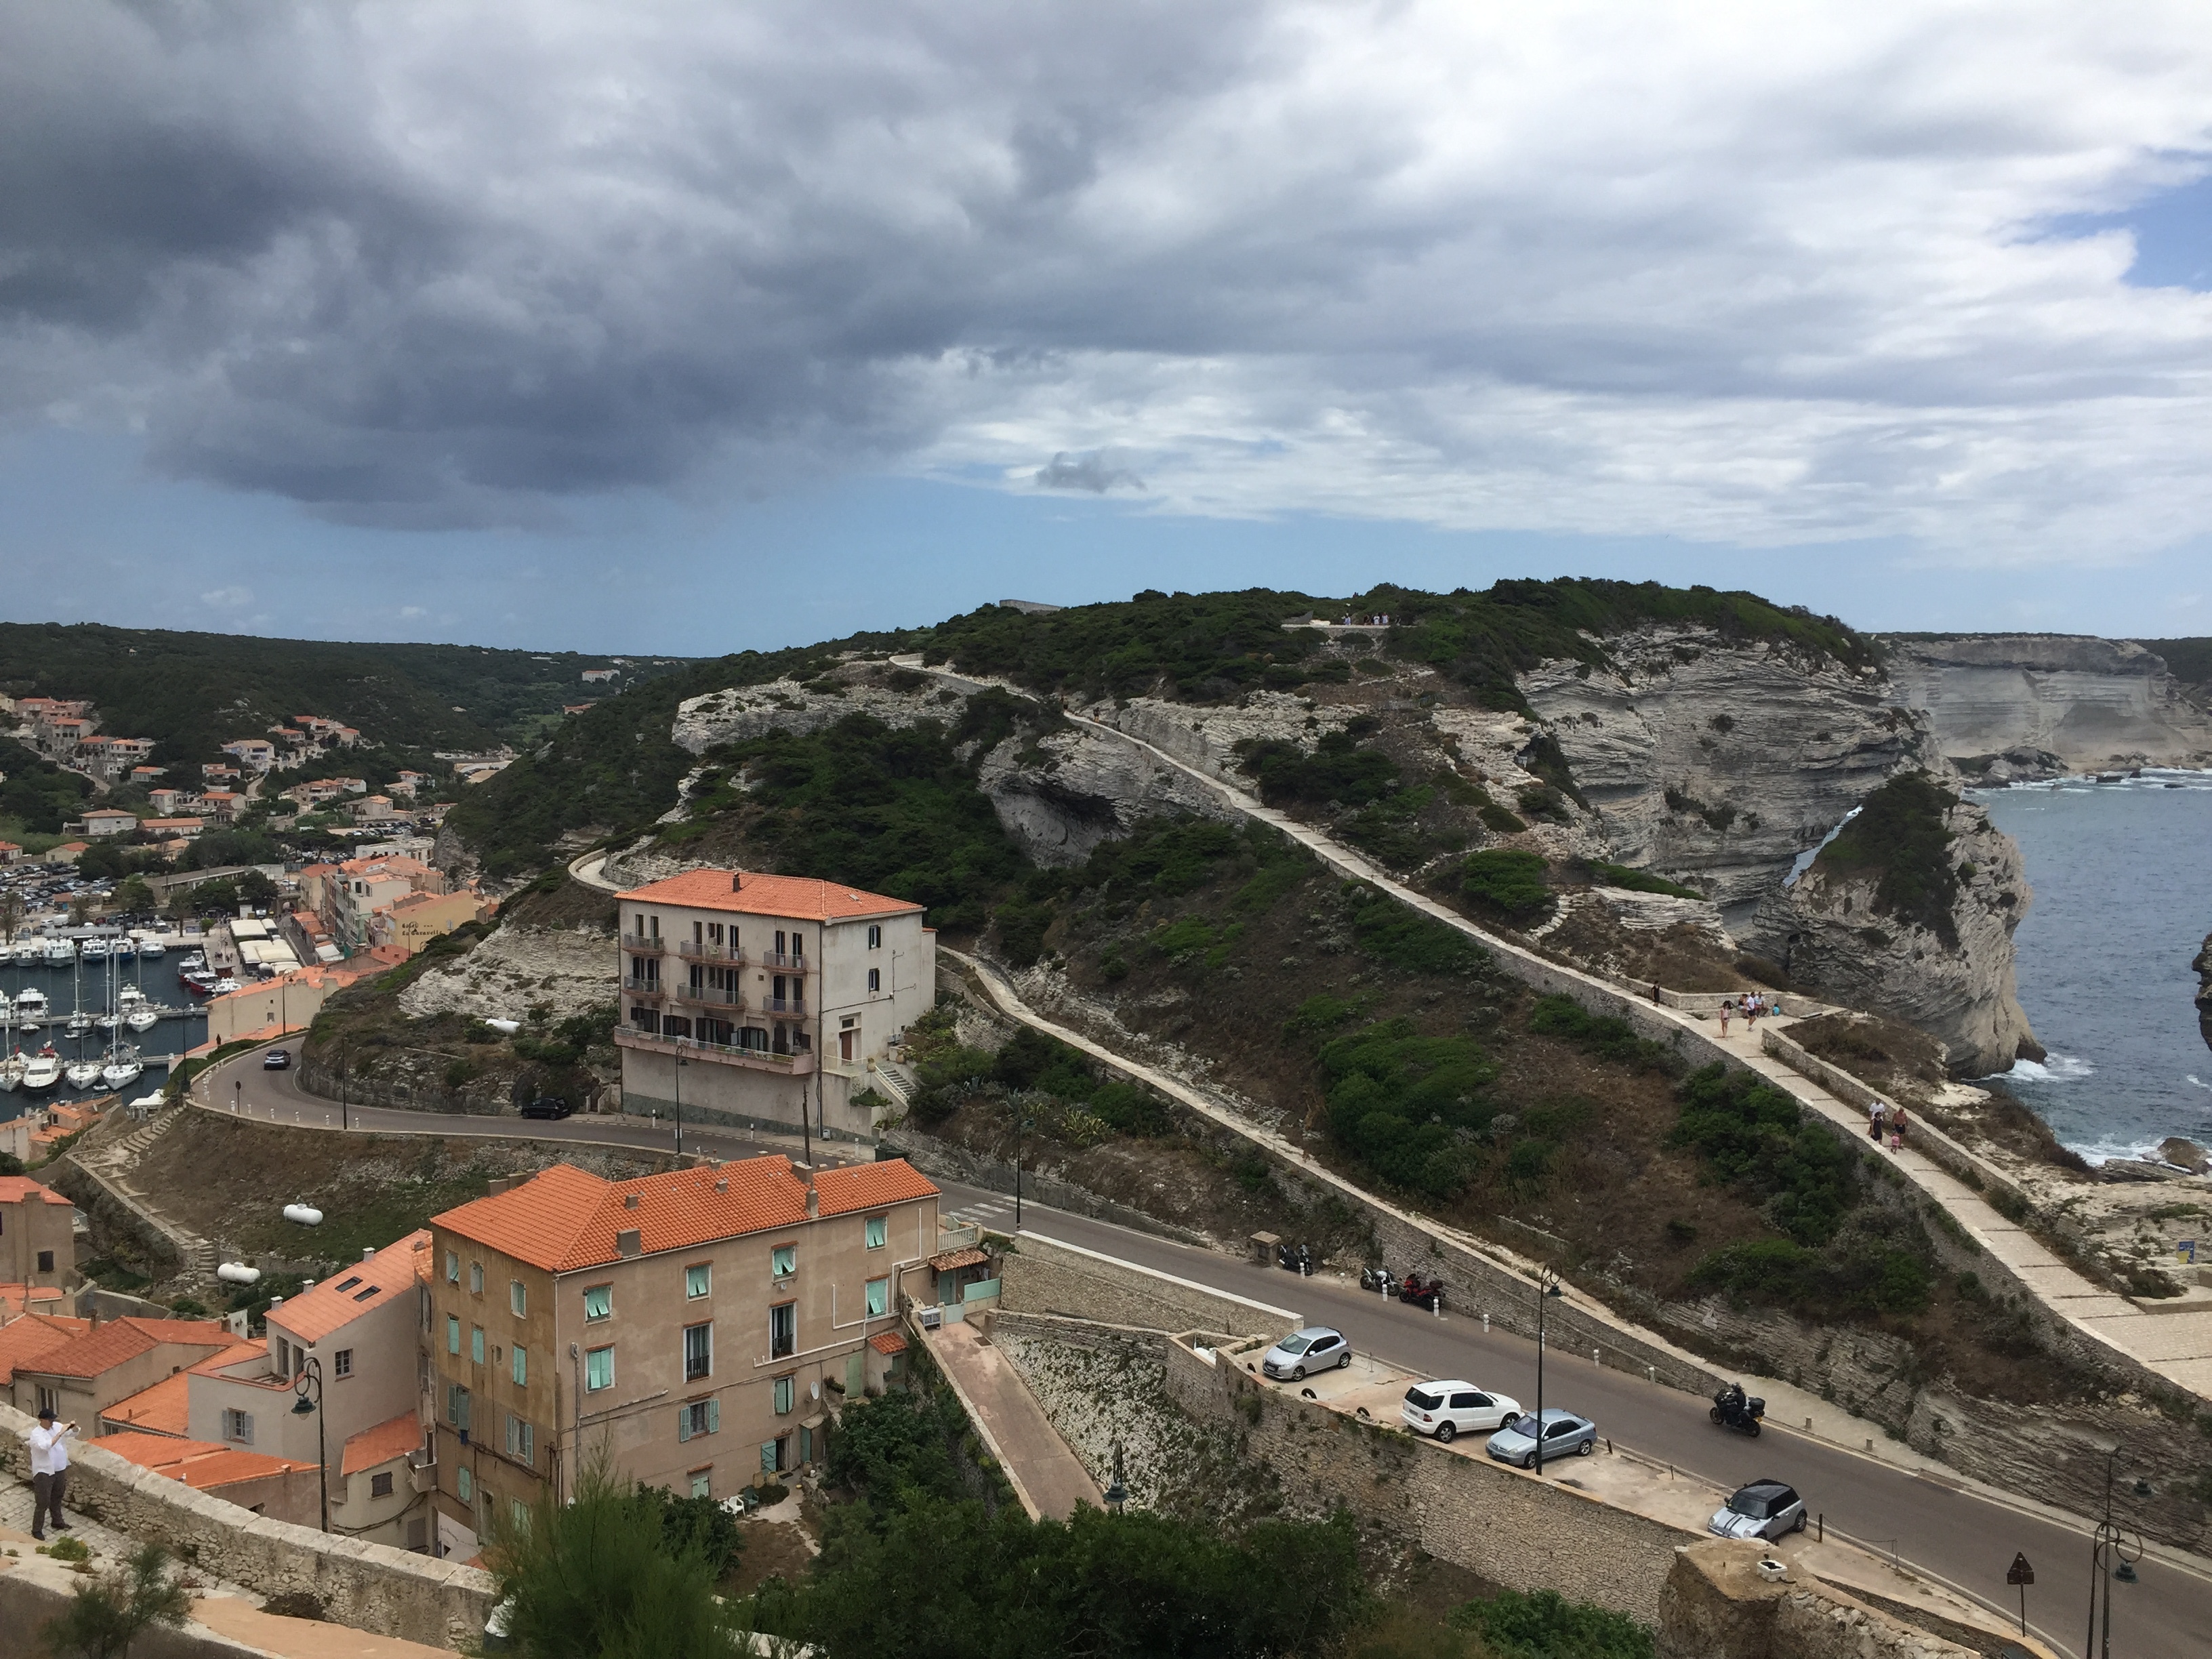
(694, 1325)
(37, 1240)
(749, 1000)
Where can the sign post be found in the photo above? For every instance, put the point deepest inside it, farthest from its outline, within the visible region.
(2022, 1575)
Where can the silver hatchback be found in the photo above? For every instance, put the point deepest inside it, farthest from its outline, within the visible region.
(1315, 1348)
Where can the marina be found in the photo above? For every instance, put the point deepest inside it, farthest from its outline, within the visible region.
(92, 1014)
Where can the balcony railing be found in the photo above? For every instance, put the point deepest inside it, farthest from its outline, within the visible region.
(728, 1053)
(708, 951)
(792, 963)
(783, 1004)
(708, 996)
(644, 988)
(651, 942)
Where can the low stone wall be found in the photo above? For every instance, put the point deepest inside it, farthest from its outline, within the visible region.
(1977, 1172)
(1510, 1528)
(371, 1586)
(29, 1600)
(1042, 1276)
(1715, 1606)
(318, 1079)
(107, 1205)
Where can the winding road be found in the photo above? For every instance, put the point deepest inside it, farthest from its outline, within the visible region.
(1961, 1534)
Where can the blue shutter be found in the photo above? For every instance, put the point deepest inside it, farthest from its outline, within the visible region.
(714, 1416)
(683, 1423)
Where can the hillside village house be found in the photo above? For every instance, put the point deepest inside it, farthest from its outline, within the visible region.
(37, 1240)
(108, 821)
(689, 1324)
(763, 999)
(83, 1376)
(9, 851)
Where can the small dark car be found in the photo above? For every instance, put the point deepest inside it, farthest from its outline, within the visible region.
(548, 1106)
(277, 1059)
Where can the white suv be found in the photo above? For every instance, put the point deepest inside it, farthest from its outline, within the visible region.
(1450, 1408)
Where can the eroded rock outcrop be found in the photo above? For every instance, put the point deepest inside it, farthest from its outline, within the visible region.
(1910, 912)
(2203, 968)
(565, 970)
(2092, 703)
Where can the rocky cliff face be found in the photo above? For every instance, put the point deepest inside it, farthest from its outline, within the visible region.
(1892, 933)
(2092, 703)
(2203, 968)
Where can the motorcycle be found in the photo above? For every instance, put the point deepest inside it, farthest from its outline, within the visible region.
(1297, 1258)
(1379, 1279)
(1731, 1410)
(1429, 1297)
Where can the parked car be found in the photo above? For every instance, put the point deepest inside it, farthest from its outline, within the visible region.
(277, 1059)
(548, 1106)
(1315, 1348)
(1765, 1509)
(1449, 1409)
(1564, 1433)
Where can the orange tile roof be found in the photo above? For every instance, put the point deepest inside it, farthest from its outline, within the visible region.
(164, 1408)
(337, 1302)
(14, 1189)
(888, 1342)
(565, 1219)
(801, 896)
(967, 1256)
(200, 1464)
(382, 1444)
(25, 1339)
(25, 1298)
(124, 1339)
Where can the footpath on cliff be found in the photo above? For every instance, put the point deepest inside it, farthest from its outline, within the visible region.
(2174, 1346)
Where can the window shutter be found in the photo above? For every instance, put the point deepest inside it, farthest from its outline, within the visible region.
(714, 1416)
(683, 1423)
(529, 1445)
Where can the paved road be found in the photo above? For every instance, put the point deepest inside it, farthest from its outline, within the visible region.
(1958, 1536)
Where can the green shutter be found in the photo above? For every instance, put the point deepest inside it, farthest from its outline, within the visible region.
(714, 1416)
(683, 1423)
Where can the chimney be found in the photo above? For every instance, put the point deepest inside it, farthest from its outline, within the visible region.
(499, 1184)
(627, 1242)
(737, 881)
(806, 1174)
(367, 1251)
(629, 1200)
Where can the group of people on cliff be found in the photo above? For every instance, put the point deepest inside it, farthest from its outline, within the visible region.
(1885, 1118)
(1751, 1007)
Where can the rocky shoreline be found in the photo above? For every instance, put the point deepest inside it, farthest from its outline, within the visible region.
(2202, 965)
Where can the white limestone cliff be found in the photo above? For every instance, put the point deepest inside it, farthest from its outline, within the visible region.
(2092, 703)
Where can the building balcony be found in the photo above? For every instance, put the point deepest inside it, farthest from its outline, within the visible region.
(707, 951)
(643, 988)
(694, 1049)
(650, 943)
(707, 997)
(783, 1006)
(782, 963)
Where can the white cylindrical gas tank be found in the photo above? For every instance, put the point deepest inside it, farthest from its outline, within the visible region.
(505, 1027)
(305, 1214)
(237, 1272)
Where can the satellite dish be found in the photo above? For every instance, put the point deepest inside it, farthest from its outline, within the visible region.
(814, 1389)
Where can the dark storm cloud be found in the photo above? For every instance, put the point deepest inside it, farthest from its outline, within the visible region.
(423, 265)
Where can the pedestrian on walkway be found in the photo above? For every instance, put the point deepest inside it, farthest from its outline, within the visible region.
(1896, 1127)
(49, 1444)
(1750, 1012)
(1877, 1116)
(1727, 1008)
(1655, 990)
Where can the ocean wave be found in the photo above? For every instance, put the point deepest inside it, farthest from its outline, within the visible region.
(2052, 1068)
(2196, 1081)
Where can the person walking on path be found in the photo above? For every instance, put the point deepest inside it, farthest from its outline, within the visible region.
(49, 1444)
(1896, 1127)
(1750, 1012)
(1727, 1008)
(1876, 1113)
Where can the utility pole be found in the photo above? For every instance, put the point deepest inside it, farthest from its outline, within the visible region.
(2110, 1544)
(1548, 1289)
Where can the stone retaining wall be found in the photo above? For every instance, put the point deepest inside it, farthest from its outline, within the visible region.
(1042, 1276)
(107, 1205)
(371, 1586)
(1715, 1606)
(1510, 1528)
(942, 1161)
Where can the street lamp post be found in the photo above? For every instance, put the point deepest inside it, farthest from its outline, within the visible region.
(310, 1377)
(1021, 1153)
(2110, 1544)
(1547, 1289)
(345, 1070)
(680, 1064)
(238, 1096)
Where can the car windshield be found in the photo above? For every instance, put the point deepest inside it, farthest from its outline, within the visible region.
(1295, 1343)
(1752, 1503)
(1425, 1402)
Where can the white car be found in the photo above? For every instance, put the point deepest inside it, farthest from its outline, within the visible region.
(1315, 1348)
(1450, 1408)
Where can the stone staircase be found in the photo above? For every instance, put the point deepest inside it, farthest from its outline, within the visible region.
(110, 1164)
(896, 1078)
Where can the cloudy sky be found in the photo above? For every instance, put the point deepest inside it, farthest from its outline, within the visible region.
(692, 327)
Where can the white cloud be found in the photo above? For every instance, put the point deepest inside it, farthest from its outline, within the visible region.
(228, 598)
(1744, 274)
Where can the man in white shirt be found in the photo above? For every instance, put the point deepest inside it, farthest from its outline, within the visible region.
(49, 1444)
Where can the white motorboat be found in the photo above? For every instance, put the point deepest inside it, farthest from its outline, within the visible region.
(41, 1071)
(82, 1073)
(143, 1017)
(26, 951)
(31, 1002)
(225, 986)
(60, 953)
(151, 947)
(93, 950)
(124, 1068)
(121, 949)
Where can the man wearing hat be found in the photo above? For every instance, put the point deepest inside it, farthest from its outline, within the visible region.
(49, 1444)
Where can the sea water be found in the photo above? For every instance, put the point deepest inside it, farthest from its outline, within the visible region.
(2123, 879)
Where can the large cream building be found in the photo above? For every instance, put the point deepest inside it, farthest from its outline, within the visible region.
(749, 999)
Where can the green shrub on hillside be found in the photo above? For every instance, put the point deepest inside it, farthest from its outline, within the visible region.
(1396, 933)
(1338, 770)
(1508, 882)
(1607, 1036)
(1546, 1626)
(1399, 1102)
(1899, 833)
(1863, 1275)
(1639, 881)
(37, 794)
(1759, 1140)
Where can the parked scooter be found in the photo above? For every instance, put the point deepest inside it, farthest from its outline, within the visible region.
(1381, 1280)
(1297, 1258)
(1428, 1296)
(1732, 1410)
